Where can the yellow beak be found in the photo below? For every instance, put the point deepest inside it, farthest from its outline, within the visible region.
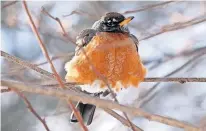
(126, 21)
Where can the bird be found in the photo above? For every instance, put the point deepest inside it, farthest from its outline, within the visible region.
(112, 52)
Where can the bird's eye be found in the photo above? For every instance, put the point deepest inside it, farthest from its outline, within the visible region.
(109, 20)
(114, 20)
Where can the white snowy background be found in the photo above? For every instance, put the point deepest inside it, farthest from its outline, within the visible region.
(161, 55)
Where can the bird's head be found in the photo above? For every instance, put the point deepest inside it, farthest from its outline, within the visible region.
(112, 22)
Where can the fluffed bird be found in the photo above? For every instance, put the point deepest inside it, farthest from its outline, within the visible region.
(113, 54)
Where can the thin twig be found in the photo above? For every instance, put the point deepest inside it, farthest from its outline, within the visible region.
(36, 33)
(58, 20)
(9, 4)
(26, 64)
(82, 13)
(121, 119)
(181, 80)
(68, 55)
(177, 26)
(183, 53)
(114, 97)
(171, 73)
(147, 7)
(29, 106)
(60, 93)
(5, 90)
(176, 79)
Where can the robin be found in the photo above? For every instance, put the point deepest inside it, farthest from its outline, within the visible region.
(113, 52)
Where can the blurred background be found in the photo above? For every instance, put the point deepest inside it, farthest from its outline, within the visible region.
(172, 43)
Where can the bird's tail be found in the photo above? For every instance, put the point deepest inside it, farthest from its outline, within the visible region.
(86, 111)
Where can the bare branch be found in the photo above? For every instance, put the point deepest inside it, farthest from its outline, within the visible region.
(121, 119)
(82, 13)
(26, 65)
(147, 7)
(177, 26)
(145, 99)
(29, 106)
(60, 93)
(41, 44)
(181, 80)
(183, 53)
(57, 19)
(68, 55)
(5, 90)
(9, 4)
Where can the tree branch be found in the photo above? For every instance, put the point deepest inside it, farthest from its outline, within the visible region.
(82, 13)
(181, 80)
(177, 26)
(43, 48)
(145, 99)
(26, 65)
(29, 106)
(183, 53)
(68, 55)
(60, 23)
(68, 95)
(5, 90)
(9, 4)
(147, 7)
(121, 119)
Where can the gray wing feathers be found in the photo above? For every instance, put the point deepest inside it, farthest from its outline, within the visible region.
(136, 41)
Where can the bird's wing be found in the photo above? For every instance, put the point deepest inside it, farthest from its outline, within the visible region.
(82, 43)
(136, 41)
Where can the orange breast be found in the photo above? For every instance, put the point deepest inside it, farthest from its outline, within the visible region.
(114, 55)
